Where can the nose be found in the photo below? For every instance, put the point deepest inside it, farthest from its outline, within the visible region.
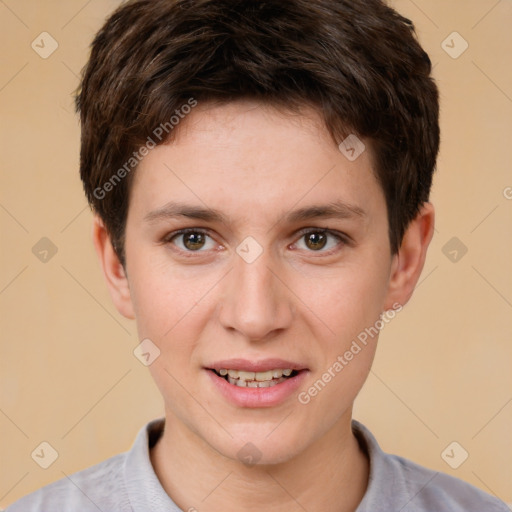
(256, 301)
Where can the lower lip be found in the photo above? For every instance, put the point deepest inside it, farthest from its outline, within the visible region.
(257, 397)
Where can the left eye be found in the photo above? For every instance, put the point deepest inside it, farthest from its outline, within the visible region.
(192, 240)
(317, 240)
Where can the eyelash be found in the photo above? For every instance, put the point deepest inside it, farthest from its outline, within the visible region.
(342, 238)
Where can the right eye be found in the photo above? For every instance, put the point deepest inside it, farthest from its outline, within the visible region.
(191, 240)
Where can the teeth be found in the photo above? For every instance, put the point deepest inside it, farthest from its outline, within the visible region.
(246, 375)
(262, 376)
(254, 383)
(269, 383)
(255, 379)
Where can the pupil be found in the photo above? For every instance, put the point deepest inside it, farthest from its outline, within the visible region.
(317, 240)
(194, 240)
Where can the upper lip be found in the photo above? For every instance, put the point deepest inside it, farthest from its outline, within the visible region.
(263, 365)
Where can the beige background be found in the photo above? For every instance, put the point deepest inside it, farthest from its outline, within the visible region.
(67, 372)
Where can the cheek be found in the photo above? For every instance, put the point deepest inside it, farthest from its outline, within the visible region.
(171, 314)
(172, 310)
(346, 300)
(350, 305)
(163, 298)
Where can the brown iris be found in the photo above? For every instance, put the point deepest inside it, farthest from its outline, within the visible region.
(316, 241)
(193, 241)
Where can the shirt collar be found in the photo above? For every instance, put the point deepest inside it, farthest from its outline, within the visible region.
(146, 492)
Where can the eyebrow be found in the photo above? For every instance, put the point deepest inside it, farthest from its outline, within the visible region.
(172, 210)
(336, 209)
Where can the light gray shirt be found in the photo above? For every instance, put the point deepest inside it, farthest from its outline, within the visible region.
(127, 483)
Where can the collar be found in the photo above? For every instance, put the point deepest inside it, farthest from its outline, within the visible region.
(146, 492)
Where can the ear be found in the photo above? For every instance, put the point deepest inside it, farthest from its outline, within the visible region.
(113, 271)
(408, 263)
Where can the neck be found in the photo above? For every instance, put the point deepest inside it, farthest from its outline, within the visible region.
(330, 475)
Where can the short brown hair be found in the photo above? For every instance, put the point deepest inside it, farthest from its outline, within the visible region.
(357, 62)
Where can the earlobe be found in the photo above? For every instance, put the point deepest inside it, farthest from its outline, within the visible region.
(113, 271)
(408, 263)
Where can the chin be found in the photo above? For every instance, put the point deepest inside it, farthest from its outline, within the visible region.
(261, 450)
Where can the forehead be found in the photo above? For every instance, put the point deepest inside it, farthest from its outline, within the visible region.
(252, 158)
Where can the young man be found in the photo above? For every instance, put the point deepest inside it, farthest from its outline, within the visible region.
(260, 174)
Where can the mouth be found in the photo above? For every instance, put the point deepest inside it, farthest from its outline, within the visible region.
(248, 379)
(252, 383)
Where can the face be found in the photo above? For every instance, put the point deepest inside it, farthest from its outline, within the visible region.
(253, 245)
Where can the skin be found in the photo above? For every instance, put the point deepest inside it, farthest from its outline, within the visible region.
(298, 300)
